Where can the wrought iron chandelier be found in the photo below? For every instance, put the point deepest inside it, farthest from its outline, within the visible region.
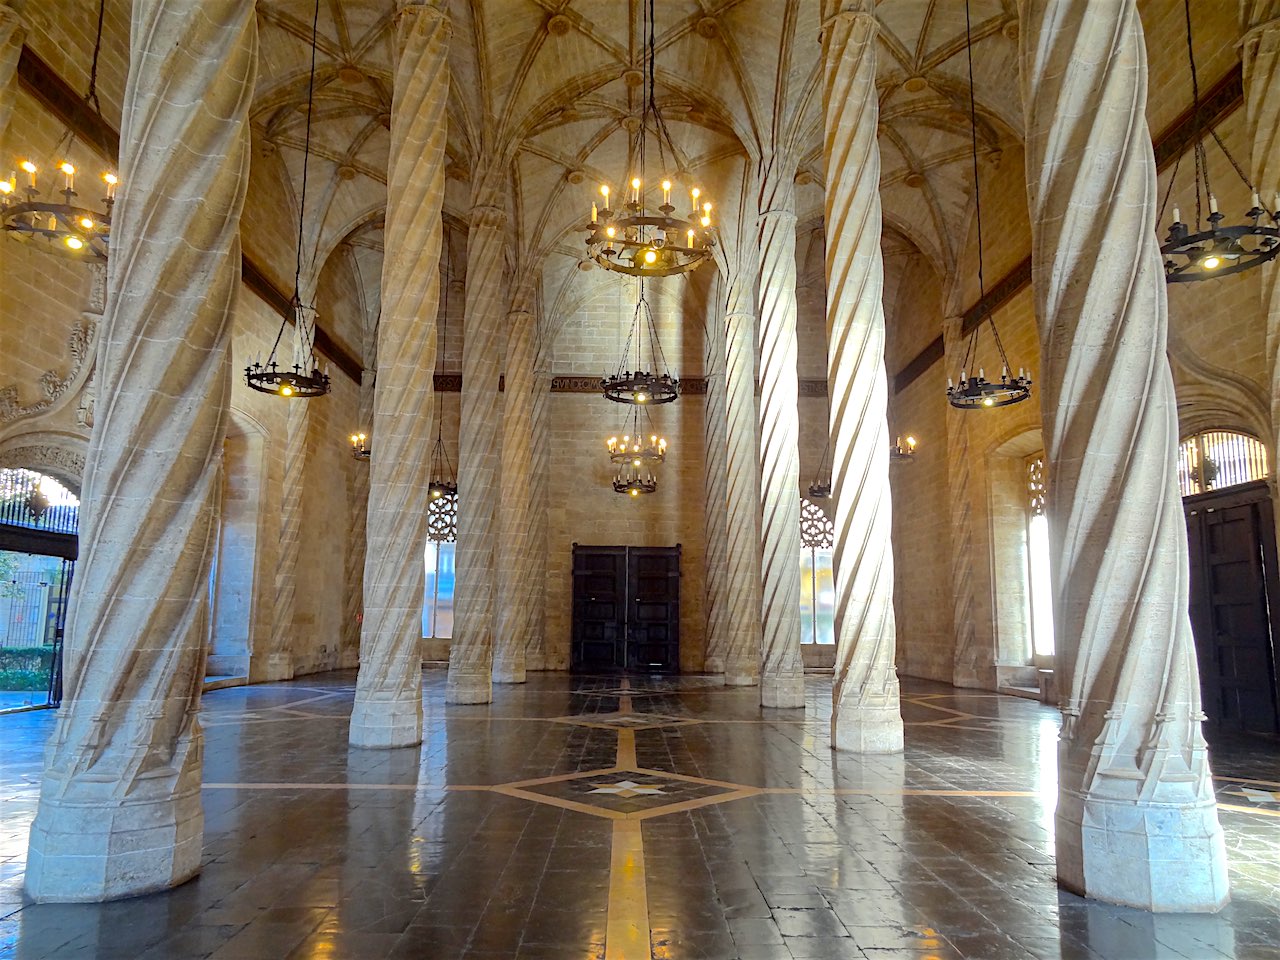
(62, 226)
(641, 386)
(636, 456)
(638, 239)
(304, 379)
(1213, 250)
(976, 392)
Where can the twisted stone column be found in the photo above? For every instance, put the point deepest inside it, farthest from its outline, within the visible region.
(971, 662)
(536, 650)
(471, 652)
(119, 811)
(1136, 819)
(358, 521)
(865, 715)
(388, 701)
(782, 672)
(515, 583)
(280, 663)
(12, 33)
(1260, 56)
(742, 487)
(715, 492)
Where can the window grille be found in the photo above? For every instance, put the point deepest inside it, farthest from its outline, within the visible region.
(1219, 458)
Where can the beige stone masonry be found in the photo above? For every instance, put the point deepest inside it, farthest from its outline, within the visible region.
(388, 703)
(119, 810)
(1136, 821)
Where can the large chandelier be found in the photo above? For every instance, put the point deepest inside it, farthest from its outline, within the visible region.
(1213, 250)
(637, 238)
(975, 391)
(641, 386)
(636, 453)
(61, 226)
(304, 379)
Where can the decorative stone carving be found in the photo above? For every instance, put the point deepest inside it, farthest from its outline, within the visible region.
(119, 810)
(782, 672)
(388, 702)
(865, 714)
(1136, 820)
(54, 386)
(471, 653)
(61, 462)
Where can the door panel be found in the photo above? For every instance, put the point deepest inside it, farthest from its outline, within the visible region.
(626, 608)
(1231, 610)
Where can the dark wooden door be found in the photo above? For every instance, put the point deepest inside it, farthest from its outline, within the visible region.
(1233, 607)
(626, 609)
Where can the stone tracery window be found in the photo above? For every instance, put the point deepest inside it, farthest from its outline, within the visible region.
(817, 579)
(1039, 581)
(1219, 458)
(442, 534)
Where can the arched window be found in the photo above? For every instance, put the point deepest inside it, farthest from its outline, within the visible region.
(1219, 458)
(442, 535)
(817, 582)
(1039, 583)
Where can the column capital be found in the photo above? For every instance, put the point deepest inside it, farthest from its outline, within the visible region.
(488, 215)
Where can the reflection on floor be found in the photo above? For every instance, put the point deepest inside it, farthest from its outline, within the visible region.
(664, 818)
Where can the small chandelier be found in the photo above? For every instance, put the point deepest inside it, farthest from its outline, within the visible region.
(903, 450)
(304, 379)
(642, 387)
(360, 448)
(636, 239)
(62, 226)
(977, 392)
(636, 456)
(1213, 250)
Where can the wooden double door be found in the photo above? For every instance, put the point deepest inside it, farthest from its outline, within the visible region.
(626, 609)
(1235, 606)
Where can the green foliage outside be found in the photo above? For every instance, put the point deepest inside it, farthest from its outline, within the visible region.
(9, 590)
(20, 680)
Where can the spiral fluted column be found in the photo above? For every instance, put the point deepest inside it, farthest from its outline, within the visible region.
(388, 701)
(471, 652)
(715, 492)
(279, 661)
(1136, 821)
(119, 810)
(535, 655)
(865, 714)
(782, 672)
(1260, 58)
(12, 34)
(742, 486)
(357, 525)
(972, 664)
(515, 603)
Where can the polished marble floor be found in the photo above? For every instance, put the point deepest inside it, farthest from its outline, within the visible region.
(579, 818)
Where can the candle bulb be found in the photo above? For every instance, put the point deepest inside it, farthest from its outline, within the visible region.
(69, 172)
(111, 181)
(604, 192)
(635, 189)
(666, 193)
(950, 385)
(1213, 204)
(593, 214)
(1177, 215)
(690, 239)
(1257, 200)
(30, 169)
(982, 374)
(1004, 372)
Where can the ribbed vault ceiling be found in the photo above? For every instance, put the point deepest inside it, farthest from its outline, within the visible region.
(545, 94)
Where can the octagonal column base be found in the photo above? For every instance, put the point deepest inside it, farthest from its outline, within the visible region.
(782, 692)
(383, 723)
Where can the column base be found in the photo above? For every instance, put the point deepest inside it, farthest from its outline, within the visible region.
(970, 678)
(385, 723)
(509, 671)
(468, 686)
(785, 693)
(713, 665)
(86, 849)
(1161, 857)
(865, 729)
(279, 666)
(534, 661)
